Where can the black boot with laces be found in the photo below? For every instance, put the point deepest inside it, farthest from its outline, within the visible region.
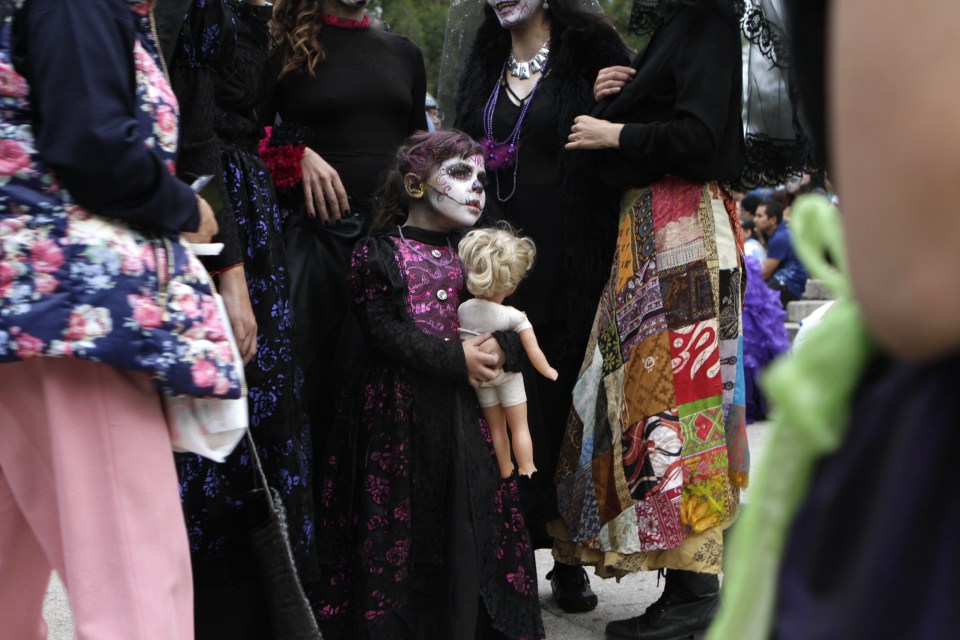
(571, 588)
(686, 607)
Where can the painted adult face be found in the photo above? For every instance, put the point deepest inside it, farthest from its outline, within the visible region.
(513, 12)
(455, 191)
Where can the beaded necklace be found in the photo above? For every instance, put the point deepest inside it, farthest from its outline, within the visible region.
(503, 154)
(436, 252)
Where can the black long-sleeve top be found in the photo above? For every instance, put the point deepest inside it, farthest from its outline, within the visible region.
(78, 59)
(366, 98)
(682, 110)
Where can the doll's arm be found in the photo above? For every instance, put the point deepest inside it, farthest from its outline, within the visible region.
(529, 341)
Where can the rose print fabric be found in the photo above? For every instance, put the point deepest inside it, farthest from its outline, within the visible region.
(74, 284)
(415, 525)
(655, 450)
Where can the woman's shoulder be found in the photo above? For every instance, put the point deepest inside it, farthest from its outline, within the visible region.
(589, 46)
(395, 42)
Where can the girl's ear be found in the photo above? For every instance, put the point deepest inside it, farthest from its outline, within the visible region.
(413, 186)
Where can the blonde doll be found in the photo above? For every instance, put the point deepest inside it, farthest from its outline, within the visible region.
(495, 261)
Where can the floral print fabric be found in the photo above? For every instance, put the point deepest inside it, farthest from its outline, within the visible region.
(655, 451)
(74, 284)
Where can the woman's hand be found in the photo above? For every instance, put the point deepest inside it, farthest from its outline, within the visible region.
(208, 225)
(323, 191)
(481, 366)
(591, 133)
(236, 298)
(610, 80)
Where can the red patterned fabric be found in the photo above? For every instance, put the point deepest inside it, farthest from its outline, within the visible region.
(283, 161)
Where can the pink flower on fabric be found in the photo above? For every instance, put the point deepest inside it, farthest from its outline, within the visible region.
(12, 83)
(520, 581)
(44, 283)
(87, 323)
(166, 126)
(7, 274)
(204, 374)
(211, 319)
(28, 346)
(13, 157)
(146, 313)
(47, 256)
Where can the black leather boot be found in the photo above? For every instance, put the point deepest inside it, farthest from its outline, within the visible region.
(571, 588)
(687, 606)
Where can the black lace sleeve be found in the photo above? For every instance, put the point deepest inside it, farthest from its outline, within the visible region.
(514, 355)
(379, 293)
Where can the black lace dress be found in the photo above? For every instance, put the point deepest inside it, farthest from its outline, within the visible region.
(225, 93)
(421, 536)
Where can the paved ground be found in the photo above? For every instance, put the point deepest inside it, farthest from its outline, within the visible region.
(628, 598)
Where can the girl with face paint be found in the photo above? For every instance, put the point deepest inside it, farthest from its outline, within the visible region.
(421, 536)
(529, 74)
(348, 94)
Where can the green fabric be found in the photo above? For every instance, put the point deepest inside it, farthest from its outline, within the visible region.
(810, 392)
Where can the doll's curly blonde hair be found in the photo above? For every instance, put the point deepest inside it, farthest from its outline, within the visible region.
(495, 260)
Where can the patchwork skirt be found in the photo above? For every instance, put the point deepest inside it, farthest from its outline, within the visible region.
(655, 451)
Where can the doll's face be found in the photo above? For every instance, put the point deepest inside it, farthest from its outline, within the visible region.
(513, 12)
(455, 191)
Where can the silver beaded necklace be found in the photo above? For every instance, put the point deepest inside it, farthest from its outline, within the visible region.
(524, 70)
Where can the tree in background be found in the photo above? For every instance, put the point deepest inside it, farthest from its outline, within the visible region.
(425, 21)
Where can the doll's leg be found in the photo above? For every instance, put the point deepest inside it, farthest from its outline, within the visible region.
(498, 433)
(520, 437)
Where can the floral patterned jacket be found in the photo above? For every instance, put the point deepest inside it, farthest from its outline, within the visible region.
(76, 284)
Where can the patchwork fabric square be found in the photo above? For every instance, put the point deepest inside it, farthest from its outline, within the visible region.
(640, 309)
(648, 379)
(674, 200)
(730, 304)
(702, 426)
(728, 251)
(695, 352)
(658, 519)
(609, 344)
(643, 229)
(683, 254)
(729, 367)
(687, 294)
(651, 454)
(605, 488)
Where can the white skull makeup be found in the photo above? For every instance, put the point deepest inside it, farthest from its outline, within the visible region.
(513, 12)
(455, 191)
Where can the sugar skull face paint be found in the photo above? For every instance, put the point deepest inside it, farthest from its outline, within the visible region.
(513, 12)
(455, 191)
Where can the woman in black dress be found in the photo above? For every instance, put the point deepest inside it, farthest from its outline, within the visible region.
(554, 198)
(348, 94)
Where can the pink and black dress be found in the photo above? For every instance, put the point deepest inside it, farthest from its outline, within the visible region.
(421, 536)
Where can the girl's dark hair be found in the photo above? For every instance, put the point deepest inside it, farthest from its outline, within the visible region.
(419, 154)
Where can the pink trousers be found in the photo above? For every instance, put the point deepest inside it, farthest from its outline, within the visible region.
(88, 487)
